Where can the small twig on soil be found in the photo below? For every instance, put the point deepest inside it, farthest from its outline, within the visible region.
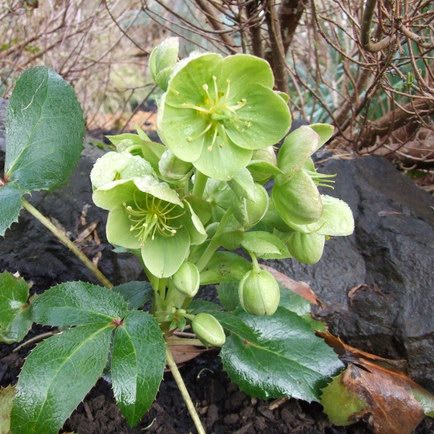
(278, 403)
(61, 236)
(184, 392)
(35, 339)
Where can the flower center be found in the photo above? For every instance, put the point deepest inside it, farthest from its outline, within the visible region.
(217, 111)
(150, 217)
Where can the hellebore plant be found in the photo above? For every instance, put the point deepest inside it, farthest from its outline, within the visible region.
(192, 210)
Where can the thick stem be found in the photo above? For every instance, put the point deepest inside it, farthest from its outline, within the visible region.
(60, 235)
(184, 392)
(207, 255)
(199, 183)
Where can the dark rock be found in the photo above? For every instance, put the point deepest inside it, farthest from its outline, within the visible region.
(378, 284)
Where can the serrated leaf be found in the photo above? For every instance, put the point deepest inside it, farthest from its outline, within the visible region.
(264, 245)
(44, 130)
(224, 266)
(137, 366)
(6, 397)
(10, 206)
(228, 294)
(276, 355)
(15, 320)
(78, 303)
(135, 293)
(56, 376)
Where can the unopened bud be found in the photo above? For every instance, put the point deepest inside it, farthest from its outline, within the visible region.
(208, 330)
(187, 279)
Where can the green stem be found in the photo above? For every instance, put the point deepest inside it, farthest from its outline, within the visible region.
(207, 254)
(199, 183)
(256, 266)
(61, 236)
(184, 392)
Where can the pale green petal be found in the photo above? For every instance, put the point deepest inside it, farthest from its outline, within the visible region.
(108, 167)
(306, 248)
(297, 149)
(194, 226)
(118, 229)
(325, 132)
(161, 190)
(164, 255)
(222, 162)
(180, 129)
(262, 121)
(297, 200)
(337, 217)
(243, 70)
(114, 193)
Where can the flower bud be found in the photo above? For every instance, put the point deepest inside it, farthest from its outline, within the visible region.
(172, 168)
(261, 160)
(162, 60)
(249, 212)
(259, 293)
(208, 330)
(187, 279)
(306, 248)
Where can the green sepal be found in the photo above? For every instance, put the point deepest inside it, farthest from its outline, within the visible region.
(78, 303)
(10, 206)
(325, 132)
(306, 248)
(297, 363)
(297, 147)
(162, 60)
(297, 200)
(56, 377)
(15, 319)
(44, 131)
(242, 185)
(137, 364)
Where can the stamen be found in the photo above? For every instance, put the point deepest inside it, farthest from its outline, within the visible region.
(216, 91)
(190, 139)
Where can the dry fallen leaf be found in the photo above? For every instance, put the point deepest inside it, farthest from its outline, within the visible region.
(385, 398)
(184, 353)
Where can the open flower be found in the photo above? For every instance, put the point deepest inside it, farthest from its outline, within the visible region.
(147, 215)
(217, 111)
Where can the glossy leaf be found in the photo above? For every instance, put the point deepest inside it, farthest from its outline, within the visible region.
(137, 365)
(276, 356)
(294, 302)
(77, 303)
(56, 377)
(136, 293)
(10, 206)
(44, 131)
(228, 294)
(15, 320)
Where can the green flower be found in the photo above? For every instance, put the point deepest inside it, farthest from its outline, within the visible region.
(148, 216)
(217, 111)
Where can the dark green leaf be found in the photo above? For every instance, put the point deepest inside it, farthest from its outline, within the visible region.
(274, 356)
(56, 376)
(135, 293)
(198, 306)
(228, 294)
(10, 206)
(138, 361)
(77, 303)
(15, 320)
(44, 130)
(294, 302)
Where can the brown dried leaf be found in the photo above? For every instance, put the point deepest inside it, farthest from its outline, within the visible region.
(391, 407)
(300, 288)
(184, 353)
